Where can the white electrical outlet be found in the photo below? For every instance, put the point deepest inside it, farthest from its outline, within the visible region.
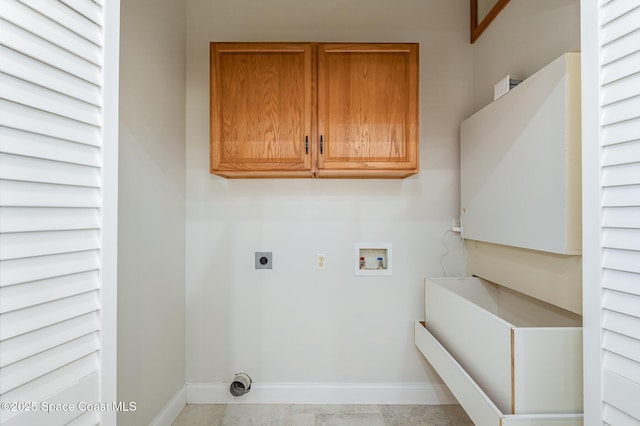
(321, 261)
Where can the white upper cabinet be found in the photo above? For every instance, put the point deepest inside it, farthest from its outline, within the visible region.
(520, 164)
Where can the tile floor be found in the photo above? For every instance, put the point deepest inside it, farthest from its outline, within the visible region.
(323, 415)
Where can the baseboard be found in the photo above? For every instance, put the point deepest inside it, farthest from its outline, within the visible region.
(173, 408)
(323, 393)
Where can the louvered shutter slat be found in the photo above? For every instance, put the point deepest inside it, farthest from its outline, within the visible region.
(622, 324)
(38, 48)
(21, 117)
(19, 219)
(621, 174)
(84, 390)
(88, 418)
(625, 24)
(57, 381)
(621, 153)
(615, 9)
(17, 323)
(89, 9)
(624, 217)
(623, 239)
(621, 68)
(623, 88)
(620, 48)
(31, 95)
(23, 194)
(33, 71)
(39, 341)
(42, 26)
(621, 393)
(623, 366)
(621, 196)
(29, 169)
(625, 282)
(59, 13)
(17, 271)
(28, 369)
(32, 145)
(621, 111)
(31, 244)
(34, 293)
(613, 416)
(621, 260)
(625, 303)
(622, 345)
(624, 131)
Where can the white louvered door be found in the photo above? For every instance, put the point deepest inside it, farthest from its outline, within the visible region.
(55, 303)
(611, 193)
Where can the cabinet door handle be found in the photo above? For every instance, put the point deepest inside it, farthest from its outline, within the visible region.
(321, 144)
(306, 144)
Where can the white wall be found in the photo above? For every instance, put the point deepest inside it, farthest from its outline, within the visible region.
(295, 323)
(484, 7)
(524, 37)
(151, 249)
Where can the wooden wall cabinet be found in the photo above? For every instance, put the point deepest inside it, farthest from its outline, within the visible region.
(262, 109)
(314, 110)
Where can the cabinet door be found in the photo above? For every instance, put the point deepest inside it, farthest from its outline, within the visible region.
(262, 109)
(368, 110)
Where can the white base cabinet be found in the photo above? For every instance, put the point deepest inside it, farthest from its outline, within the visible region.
(508, 358)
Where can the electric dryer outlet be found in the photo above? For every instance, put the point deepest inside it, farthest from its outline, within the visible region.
(264, 260)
